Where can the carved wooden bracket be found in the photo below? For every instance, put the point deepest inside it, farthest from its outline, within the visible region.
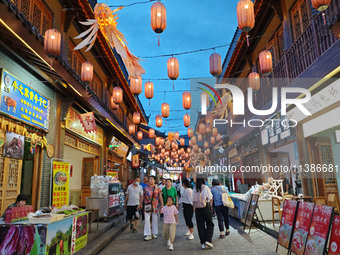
(65, 105)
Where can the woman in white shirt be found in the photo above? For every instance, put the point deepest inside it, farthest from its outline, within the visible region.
(188, 210)
(205, 225)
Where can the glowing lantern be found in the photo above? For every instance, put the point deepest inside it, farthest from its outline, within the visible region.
(136, 85)
(182, 142)
(218, 138)
(209, 117)
(113, 105)
(162, 141)
(186, 120)
(186, 98)
(148, 90)
(52, 43)
(207, 128)
(207, 151)
(206, 144)
(245, 15)
(205, 96)
(193, 140)
(215, 64)
(165, 110)
(190, 132)
(266, 62)
(86, 71)
(212, 140)
(254, 81)
(151, 133)
(201, 128)
(188, 150)
(321, 5)
(136, 118)
(177, 135)
(140, 135)
(159, 121)
(158, 18)
(190, 143)
(117, 95)
(163, 151)
(199, 150)
(199, 137)
(158, 140)
(173, 68)
(195, 148)
(214, 131)
(132, 129)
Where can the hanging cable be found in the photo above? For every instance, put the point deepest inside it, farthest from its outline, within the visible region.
(132, 4)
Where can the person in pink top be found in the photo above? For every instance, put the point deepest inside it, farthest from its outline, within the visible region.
(170, 219)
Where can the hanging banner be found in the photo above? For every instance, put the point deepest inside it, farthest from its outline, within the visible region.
(302, 223)
(334, 243)
(287, 223)
(60, 183)
(23, 103)
(88, 121)
(135, 160)
(319, 230)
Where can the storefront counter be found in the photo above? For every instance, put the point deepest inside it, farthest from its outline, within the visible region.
(66, 236)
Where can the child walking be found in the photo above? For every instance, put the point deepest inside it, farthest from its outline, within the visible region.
(170, 219)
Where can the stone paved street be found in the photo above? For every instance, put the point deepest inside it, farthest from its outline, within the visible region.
(237, 242)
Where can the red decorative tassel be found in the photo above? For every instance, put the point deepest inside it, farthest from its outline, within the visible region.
(324, 18)
(149, 102)
(247, 40)
(267, 81)
(173, 85)
(159, 44)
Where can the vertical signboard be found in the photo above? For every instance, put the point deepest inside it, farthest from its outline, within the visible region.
(135, 160)
(334, 243)
(287, 223)
(60, 183)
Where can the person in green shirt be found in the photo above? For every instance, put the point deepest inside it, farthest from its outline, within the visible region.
(169, 191)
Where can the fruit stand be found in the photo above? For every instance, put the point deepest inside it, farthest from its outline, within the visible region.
(65, 236)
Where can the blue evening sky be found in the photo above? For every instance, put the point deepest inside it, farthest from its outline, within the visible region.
(191, 25)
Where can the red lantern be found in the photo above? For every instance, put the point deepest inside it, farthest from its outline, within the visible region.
(195, 148)
(136, 85)
(218, 138)
(186, 120)
(207, 128)
(165, 108)
(159, 121)
(140, 135)
(117, 95)
(193, 140)
(186, 98)
(207, 151)
(113, 105)
(190, 132)
(206, 144)
(188, 150)
(52, 43)
(266, 62)
(201, 128)
(173, 68)
(254, 81)
(162, 141)
(212, 140)
(158, 141)
(199, 137)
(151, 133)
(214, 131)
(177, 135)
(148, 90)
(136, 118)
(132, 129)
(86, 71)
(209, 117)
(158, 18)
(321, 5)
(245, 15)
(215, 64)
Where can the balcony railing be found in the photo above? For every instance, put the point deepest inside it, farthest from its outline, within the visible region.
(314, 42)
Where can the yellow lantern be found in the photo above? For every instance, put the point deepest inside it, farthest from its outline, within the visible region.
(148, 90)
(214, 131)
(266, 62)
(117, 95)
(132, 129)
(136, 85)
(136, 118)
(212, 140)
(177, 135)
(254, 81)
(201, 128)
(215, 64)
(190, 132)
(186, 98)
(158, 18)
(321, 5)
(245, 15)
(52, 43)
(159, 121)
(151, 133)
(140, 135)
(205, 96)
(218, 138)
(86, 71)
(165, 110)
(199, 137)
(186, 120)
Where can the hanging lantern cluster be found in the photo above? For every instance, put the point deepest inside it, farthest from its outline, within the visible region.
(158, 18)
(117, 95)
(186, 120)
(266, 62)
(86, 71)
(148, 90)
(245, 15)
(186, 99)
(165, 109)
(215, 64)
(136, 118)
(173, 69)
(159, 121)
(136, 85)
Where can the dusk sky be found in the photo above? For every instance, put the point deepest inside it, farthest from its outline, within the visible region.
(191, 25)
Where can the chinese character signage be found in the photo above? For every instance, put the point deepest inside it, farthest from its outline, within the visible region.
(113, 200)
(302, 223)
(113, 173)
(287, 221)
(88, 122)
(135, 160)
(334, 244)
(23, 103)
(61, 182)
(319, 230)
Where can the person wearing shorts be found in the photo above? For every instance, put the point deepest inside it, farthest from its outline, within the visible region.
(133, 202)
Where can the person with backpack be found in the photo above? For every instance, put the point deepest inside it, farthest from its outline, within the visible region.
(202, 203)
(188, 209)
(221, 210)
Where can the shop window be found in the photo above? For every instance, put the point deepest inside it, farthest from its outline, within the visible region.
(37, 13)
(96, 86)
(300, 17)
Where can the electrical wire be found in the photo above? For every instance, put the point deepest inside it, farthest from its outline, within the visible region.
(132, 4)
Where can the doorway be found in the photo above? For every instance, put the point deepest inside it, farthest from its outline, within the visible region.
(89, 169)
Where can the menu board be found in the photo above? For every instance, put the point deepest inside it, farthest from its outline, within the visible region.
(302, 223)
(60, 183)
(319, 230)
(287, 223)
(245, 210)
(251, 210)
(334, 244)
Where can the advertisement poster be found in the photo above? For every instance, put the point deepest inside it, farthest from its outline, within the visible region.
(14, 145)
(302, 223)
(59, 237)
(251, 210)
(61, 182)
(334, 243)
(319, 230)
(113, 200)
(23, 103)
(135, 160)
(81, 232)
(23, 239)
(113, 173)
(245, 210)
(287, 222)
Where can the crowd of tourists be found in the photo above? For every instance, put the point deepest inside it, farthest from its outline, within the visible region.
(150, 200)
